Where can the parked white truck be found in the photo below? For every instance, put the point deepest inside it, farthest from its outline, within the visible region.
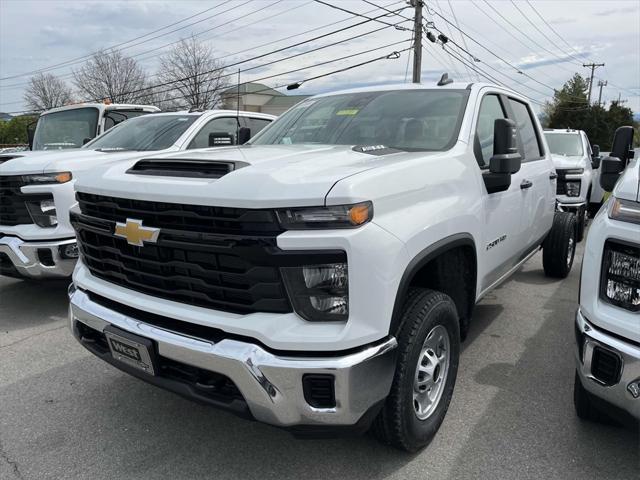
(74, 125)
(575, 161)
(321, 277)
(36, 191)
(608, 319)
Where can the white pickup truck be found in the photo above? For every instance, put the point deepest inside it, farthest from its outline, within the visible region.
(576, 162)
(321, 277)
(74, 125)
(608, 319)
(36, 190)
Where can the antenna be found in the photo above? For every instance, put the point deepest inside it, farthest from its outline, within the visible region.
(445, 80)
(238, 110)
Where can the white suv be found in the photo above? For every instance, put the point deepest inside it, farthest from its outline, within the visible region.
(575, 163)
(36, 190)
(322, 276)
(608, 320)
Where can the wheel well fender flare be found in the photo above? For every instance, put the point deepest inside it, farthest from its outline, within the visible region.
(420, 260)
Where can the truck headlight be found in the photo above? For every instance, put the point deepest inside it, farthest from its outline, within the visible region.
(43, 212)
(573, 189)
(624, 210)
(620, 283)
(319, 292)
(45, 178)
(336, 216)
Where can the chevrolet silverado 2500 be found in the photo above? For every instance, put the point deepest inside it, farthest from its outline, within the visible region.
(575, 163)
(36, 191)
(608, 318)
(322, 276)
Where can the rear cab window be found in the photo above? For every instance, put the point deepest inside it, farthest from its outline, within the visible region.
(531, 148)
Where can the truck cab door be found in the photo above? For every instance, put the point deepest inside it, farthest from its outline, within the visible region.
(537, 184)
(502, 210)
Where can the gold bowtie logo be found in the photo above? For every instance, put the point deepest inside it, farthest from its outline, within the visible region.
(135, 233)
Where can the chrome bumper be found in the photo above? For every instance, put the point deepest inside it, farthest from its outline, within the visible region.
(620, 394)
(569, 207)
(26, 260)
(271, 384)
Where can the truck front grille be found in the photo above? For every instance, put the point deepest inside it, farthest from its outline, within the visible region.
(13, 207)
(196, 259)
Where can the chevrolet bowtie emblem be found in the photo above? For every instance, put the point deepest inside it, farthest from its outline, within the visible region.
(135, 233)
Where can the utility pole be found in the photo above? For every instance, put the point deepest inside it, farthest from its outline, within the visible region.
(593, 66)
(601, 84)
(417, 40)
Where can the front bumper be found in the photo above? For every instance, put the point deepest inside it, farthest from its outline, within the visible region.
(621, 392)
(42, 259)
(270, 384)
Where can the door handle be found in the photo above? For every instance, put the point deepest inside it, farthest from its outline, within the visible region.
(526, 184)
(553, 176)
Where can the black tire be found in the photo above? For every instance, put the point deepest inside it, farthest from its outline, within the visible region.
(424, 311)
(582, 401)
(559, 248)
(593, 209)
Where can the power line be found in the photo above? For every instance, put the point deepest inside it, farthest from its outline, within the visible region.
(76, 60)
(377, 19)
(464, 41)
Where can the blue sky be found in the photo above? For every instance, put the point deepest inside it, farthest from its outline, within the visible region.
(38, 34)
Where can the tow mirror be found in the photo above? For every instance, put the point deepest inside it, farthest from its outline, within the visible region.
(31, 133)
(506, 159)
(621, 152)
(220, 139)
(612, 167)
(595, 157)
(244, 135)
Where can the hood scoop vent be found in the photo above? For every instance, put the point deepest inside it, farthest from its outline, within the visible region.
(184, 168)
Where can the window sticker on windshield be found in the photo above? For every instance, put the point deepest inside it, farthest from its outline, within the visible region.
(348, 111)
(286, 140)
(182, 119)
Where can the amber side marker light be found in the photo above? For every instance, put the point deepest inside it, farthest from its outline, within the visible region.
(63, 177)
(359, 214)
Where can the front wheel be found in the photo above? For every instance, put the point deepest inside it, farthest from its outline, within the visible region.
(426, 370)
(559, 248)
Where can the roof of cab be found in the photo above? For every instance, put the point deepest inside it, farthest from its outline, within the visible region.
(110, 106)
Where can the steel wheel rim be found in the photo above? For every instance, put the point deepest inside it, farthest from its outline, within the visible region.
(431, 372)
(572, 247)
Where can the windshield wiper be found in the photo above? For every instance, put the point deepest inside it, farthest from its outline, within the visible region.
(115, 149)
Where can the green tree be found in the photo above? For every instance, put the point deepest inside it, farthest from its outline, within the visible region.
(15, 130)
(570, 109)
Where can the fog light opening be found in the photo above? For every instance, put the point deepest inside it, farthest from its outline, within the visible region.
(69, 251)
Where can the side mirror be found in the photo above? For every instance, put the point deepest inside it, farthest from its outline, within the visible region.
(622, 144)
(595, 157)
(86, 140)
(31, 132)
(244, 135)
(220, 139)
(612, 167)
(506, 159)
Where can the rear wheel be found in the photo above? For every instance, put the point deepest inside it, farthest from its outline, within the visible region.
(426, 370)
(559, 248)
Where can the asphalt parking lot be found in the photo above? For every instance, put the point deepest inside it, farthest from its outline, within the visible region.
(65, 414)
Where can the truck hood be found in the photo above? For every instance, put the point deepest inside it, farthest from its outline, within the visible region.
(628, 186)
(267, 176)
(563, 162)
(72, 160)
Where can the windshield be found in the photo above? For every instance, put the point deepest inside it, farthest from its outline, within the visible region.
(569, 145)
(149, 132)
(65, 129)
(412, 120)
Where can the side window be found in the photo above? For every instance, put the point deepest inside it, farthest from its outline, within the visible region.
(490, 110)
(256, 124)
(114, 117)
(218, 125)
(527, 130)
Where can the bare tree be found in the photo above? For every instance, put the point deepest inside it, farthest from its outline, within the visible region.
(112, 76)
(46, 91)
(194, 73)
